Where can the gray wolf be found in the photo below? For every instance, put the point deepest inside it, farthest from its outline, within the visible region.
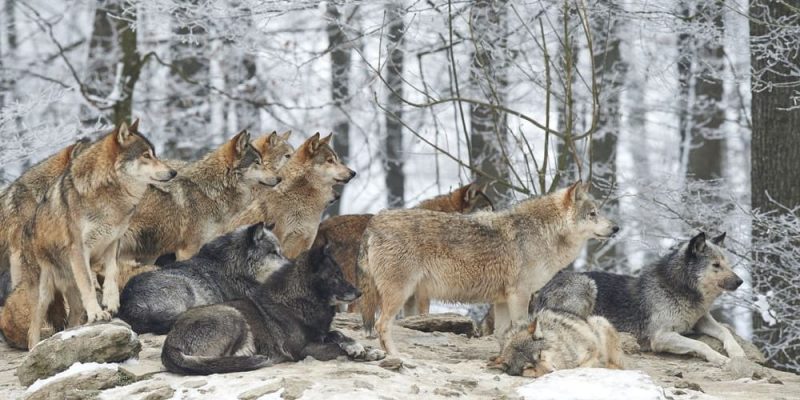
(296, 206)
(671, 297)
(197, 205)
(82, 218)
(221, 271)
(343, 232)
(500, 257)
(287, 318)
(562, 333)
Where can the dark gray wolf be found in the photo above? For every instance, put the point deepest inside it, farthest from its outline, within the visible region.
(287, 318)
(224, 269)
(500, 257)
(671, 297)
(82, 218)
(561, 333)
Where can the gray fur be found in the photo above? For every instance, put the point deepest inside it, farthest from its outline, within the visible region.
(287, 318)
(567, 292)
(671, 297)
(223, 270)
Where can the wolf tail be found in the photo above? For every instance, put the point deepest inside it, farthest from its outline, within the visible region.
(178, 362)
(370, 298)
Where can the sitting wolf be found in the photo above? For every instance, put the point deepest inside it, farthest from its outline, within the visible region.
(671, 297)
(562, 333)
(224, 269)
(287, 318)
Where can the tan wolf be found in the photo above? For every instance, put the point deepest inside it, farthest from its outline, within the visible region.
(500, 257)
(296, 206)
(343, 232)
(82, 218)
(195, 207)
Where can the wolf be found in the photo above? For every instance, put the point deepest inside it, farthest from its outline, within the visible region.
(222, 271)
(195, 207)
(287, 318)
(500, 257)
(82, 218)
(296, 206)
(343, 232)
(671, 297)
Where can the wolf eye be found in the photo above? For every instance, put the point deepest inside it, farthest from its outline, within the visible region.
(717, 265)
(287, 155)
(330, 161)
(593, 214)
(147, 155)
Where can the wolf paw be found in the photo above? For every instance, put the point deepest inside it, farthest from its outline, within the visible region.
(111, 302)
(374, 354)
(718, 359)
(354, 350)
(99, 315)
(735, 351)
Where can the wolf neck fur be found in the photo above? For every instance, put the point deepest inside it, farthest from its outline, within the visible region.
(218, 180)
(95, 170)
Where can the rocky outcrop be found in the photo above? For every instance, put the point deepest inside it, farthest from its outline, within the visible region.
(81, 381)
(99, 343)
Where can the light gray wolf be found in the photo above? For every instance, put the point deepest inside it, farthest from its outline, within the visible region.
(296, 206)
(500, 257)
(673, 296)
(82, 218)
(287, 318)
(343, 232)
(221, 271)
(196, 206)
(562, 333)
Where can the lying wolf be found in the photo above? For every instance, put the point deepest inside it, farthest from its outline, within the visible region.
(562, 333)
(223, 270)
(671, 297)
(287, 318)
(500, 257)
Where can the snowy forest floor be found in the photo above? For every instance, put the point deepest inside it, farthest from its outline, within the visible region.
(435, 366)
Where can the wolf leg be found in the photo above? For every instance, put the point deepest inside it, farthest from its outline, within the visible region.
(410, 307)
(673, 342)
(81, 272)
(111, 272)
(15, 261)
(610, 345)
(423, 300)
(354, 349)
(709, 326)
(76, 311)
(43, 298)
(323, 351)
(502, 322)
(391, 303)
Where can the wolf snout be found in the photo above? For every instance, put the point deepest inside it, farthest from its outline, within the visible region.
(732, 283)
(166, 176)
(350, 295)
(273, 181)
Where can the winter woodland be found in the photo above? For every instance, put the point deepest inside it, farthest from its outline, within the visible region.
(683, 114)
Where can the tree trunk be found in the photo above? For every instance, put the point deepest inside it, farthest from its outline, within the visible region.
(340, 88)
(393, 146)
(488, 76)
(775, 155)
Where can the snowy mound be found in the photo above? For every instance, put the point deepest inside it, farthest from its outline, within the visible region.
(592, 384)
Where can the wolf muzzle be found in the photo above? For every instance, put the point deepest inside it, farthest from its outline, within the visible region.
(731, 283)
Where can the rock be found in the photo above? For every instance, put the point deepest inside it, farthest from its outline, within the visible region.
(80, 382)
(294, 388)
(446, 392)
(162, 393)
(689, 385)
(740, 367)
(775, 381)
(447, 322)
(363, 385)
(392, 363)
(750, 350)
(140, 370)
(195, 383)
(100, 343)
(253, 394)
(592, 384)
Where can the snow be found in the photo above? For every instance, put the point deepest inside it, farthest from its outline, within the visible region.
(74, 369)
(592, 384)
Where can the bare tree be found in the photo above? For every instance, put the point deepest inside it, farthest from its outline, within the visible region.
(393, 144)
(339, 48)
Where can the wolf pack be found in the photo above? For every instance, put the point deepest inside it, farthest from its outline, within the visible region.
(227, 256)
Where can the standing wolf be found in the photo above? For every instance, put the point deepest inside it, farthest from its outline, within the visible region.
(343, 233)
(82, 218)
(287, 318)
(500, 257)
(224, 269)
(196, 206)
(562, 333)
(296, 206)
(671, 297)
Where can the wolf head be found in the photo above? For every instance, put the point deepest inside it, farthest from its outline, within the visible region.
(251, 251)
(701, 264)
(275, 150)
(244, 161)
(568, 292)
(136, 157)
(466, 199)
(582, 211)
(327, 278)
(524, 354)
(316, 160)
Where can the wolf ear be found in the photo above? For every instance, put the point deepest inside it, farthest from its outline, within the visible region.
(78, 147)
(134, 126)
(574, 193)
(123, 134)
(259, 231)
(241, 141)
(719, 240)
(285, 135)
(272, 139)
(313, 143)
(497, 362)
(697, 244)
(327, 139)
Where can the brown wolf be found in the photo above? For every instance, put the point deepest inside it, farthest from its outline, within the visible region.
(343, 232)
(296, 206)
(196, 206)
(82, 218)
(500, 257)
